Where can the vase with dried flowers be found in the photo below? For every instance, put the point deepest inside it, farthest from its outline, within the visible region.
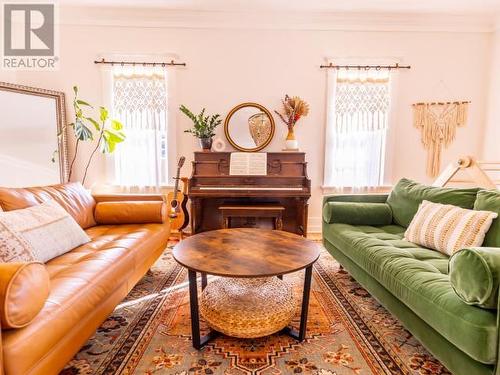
(293, 109)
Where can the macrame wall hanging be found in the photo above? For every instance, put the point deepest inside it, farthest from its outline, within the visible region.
(438, 123)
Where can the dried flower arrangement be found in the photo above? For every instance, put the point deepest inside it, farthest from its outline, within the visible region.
(293, 109)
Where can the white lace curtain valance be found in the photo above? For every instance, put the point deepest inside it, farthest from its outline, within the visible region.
(139, 94)
(361, 100)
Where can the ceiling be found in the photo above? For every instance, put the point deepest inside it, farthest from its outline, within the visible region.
(476, 7)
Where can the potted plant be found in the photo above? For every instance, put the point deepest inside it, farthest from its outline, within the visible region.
(293, 109)
(109, 132)
(203, 126)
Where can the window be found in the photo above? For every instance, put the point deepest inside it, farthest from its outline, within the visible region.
(139, 101)
(358, 117)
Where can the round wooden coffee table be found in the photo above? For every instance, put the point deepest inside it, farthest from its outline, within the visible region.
(245, 253)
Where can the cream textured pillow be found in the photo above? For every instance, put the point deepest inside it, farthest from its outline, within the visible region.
(38, 233)
(448, 228)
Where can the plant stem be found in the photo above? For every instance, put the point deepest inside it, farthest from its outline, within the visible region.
(92, 154)
(73, 161)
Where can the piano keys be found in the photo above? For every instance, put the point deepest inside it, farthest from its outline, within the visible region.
(286, 184)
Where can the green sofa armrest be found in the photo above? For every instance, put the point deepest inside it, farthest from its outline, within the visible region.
(475, 275)
(357, 213)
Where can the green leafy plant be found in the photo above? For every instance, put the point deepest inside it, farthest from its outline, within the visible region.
(109, 132)
(203, 126)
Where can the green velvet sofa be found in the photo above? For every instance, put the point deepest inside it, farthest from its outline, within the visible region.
(364, 233)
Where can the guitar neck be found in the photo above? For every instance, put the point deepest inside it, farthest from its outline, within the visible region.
(176, 186)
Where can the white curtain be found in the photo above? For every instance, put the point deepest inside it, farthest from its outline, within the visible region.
(357, 121)
(140, 103)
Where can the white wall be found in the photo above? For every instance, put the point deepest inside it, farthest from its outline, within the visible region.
(492, 132)
(229, 66)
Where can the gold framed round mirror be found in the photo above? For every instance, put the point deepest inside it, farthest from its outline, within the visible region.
(249, 127)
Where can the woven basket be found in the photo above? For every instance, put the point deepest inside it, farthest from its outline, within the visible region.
(248, 308)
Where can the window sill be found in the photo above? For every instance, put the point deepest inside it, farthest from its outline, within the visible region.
(353, 190)
(124, 190)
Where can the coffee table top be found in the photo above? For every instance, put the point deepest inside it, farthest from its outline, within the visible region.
(246, 252)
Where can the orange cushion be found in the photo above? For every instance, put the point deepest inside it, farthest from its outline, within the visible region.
(129, 212)
(24, 288)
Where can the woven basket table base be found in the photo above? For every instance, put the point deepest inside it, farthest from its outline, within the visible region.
(248, 307)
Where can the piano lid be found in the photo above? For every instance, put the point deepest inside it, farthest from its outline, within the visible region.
(286, 176)
(291, 164)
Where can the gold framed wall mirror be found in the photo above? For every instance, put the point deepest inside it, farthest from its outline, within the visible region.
(249, 127)
(33, 140)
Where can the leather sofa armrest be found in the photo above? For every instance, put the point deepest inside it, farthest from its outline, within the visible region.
(357, 213)
(129, 212)
(24, 288)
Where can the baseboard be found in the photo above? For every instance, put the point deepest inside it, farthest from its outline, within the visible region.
(314, 224)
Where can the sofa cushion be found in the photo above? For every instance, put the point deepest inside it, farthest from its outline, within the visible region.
(47, 230)
(129, 212)
(475, 275)
(407, 195)
(81, 281)
(24, 288)
(447, 228)
(489, 200)
(71, 196)
(357, 213)
(418, 278)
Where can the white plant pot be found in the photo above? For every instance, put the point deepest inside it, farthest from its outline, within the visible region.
(291, 144)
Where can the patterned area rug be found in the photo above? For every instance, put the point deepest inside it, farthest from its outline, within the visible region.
(348, 333)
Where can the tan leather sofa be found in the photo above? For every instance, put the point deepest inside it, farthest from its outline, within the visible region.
(80, 288)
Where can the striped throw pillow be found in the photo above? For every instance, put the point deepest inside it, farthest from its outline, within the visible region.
(448, 228)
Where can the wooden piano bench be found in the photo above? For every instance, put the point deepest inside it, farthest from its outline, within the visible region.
(257, 211)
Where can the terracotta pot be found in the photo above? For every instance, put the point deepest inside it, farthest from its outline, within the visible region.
(206, 143)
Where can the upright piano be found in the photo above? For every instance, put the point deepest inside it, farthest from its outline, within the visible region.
(285, 184)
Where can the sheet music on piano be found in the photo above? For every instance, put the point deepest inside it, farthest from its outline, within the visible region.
(248, 164)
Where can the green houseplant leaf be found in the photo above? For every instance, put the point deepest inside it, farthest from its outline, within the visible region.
(109, 132)
(83, 102)
(203, 126)
(82, 132)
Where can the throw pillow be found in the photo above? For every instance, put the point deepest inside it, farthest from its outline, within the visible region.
(407, 195)
(448, 228)
(490, 200)
(475, 276)
(38, 233)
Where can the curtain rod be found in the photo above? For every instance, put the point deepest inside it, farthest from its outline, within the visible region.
(134, 63)
(366, 67)
(442, 103)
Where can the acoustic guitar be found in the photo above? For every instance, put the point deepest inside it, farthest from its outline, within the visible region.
(177, 203)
